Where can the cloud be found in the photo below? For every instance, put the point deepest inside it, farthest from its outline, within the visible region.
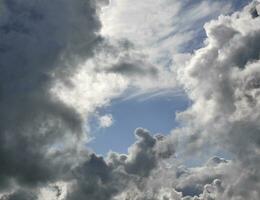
(21, 195)
(163, 28)
(48, 88)
(106, 121)
(100, 178)
(41, 42)
(86, 90)
(222, 81)
(57, 70)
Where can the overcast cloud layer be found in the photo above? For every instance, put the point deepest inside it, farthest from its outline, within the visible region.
(58, 65)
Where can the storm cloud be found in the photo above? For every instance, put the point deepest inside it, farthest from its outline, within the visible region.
(40, 41)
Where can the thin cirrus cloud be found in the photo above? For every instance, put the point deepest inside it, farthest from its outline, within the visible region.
(58, 66)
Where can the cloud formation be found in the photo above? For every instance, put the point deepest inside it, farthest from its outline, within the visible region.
(54, 74)
(48, 88)
(106, 121)
(40, 42)
(222, 80)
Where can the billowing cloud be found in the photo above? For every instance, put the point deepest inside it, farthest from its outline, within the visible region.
(222, 80)
(41, 41)
(98, 178)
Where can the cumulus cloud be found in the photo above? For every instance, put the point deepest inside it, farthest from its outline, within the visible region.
(106, 121)
(221, 79)
(100, 178)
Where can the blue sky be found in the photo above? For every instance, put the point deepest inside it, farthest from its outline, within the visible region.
(155, 114)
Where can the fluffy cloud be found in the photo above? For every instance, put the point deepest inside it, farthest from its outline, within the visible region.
(98, 178)
(222, 80)
(106, 121)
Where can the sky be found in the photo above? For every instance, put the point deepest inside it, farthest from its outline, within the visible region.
(129, 100)
(156, 114)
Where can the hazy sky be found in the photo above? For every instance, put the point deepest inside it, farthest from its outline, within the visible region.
(129, 100)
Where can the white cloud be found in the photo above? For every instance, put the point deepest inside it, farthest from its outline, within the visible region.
(159, 27)
(55, 191)
(159, 30)
(88, 90)
(222, 80)
(106, 121)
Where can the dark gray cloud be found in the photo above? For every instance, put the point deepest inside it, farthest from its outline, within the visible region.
(103, 179)
(40, 41)
(42, 138)
(122, 57)
(132, 68)
(141, 155)
(21, 195)
(94, 180)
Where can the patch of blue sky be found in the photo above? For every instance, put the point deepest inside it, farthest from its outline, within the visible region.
(155, 113)
(239, 4)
